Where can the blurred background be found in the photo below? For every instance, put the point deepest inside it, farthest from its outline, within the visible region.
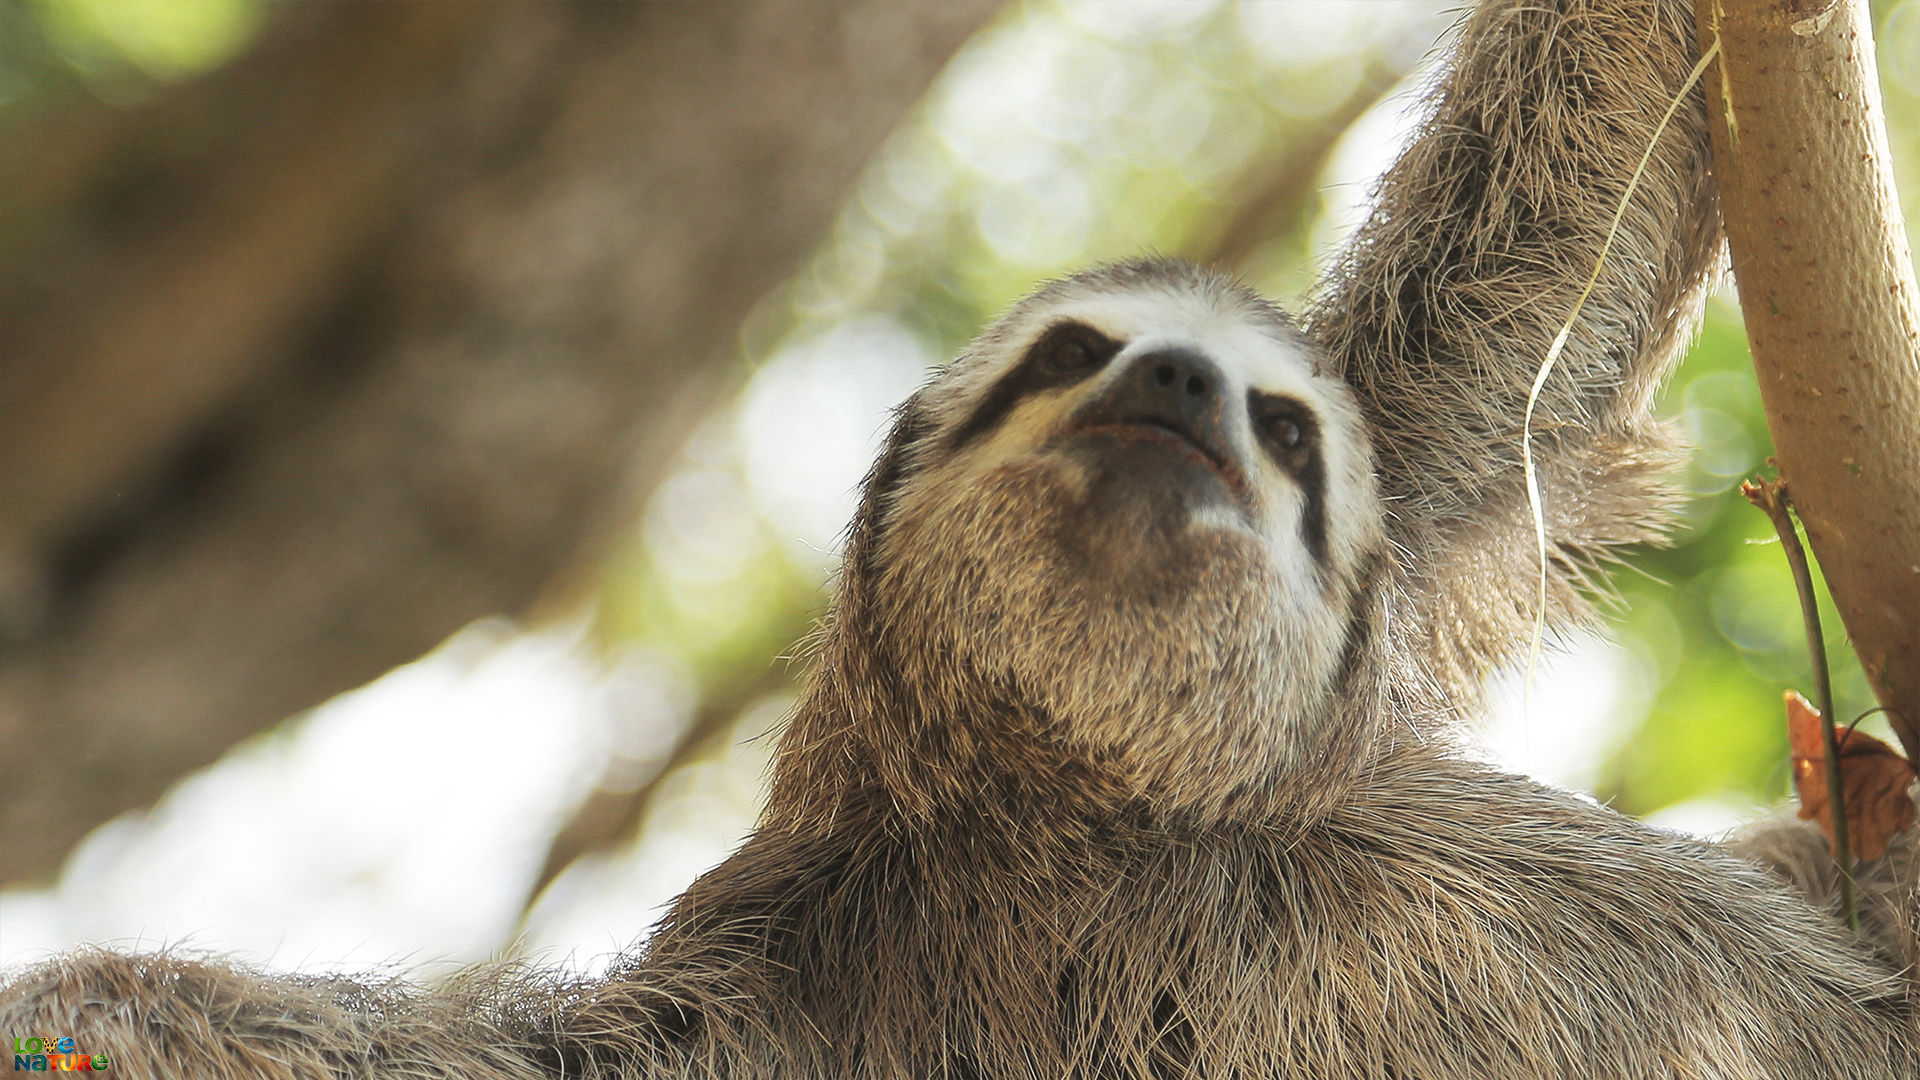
(425, 429)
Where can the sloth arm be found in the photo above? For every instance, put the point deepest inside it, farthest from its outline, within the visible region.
(175, 1016)
(1441, 309)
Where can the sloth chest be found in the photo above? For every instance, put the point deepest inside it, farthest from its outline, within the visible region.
(1188, 962)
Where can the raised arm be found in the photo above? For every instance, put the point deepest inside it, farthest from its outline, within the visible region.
(1442, 308)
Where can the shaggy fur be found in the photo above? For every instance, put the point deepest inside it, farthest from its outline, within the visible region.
(1440, 311)
(1126, 752)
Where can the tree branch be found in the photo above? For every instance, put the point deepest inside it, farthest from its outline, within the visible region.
(1833, 315)
(385, 345)
(1281, 201)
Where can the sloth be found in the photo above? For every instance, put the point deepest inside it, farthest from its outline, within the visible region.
(1114, 778)
(1131, 748)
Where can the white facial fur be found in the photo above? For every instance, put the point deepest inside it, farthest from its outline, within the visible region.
(1207, 647)
(1251, 357)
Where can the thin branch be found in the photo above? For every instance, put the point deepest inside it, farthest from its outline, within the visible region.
(1771, 497)
(613, 814)
(1281, 200)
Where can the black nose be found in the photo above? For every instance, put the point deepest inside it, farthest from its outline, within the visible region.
(1175, 386)
(1181, 374)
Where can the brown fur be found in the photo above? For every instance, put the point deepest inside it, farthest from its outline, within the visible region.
(969, 869)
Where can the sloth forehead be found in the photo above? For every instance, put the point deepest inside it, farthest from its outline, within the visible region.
(1239, 345)
(1251, 342)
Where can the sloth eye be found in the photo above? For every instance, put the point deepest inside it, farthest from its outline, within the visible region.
(1285, 433)
(1067, 353)
(1071, 354)
(1286, 428)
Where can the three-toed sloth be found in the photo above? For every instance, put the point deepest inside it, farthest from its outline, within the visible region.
(1128, 749)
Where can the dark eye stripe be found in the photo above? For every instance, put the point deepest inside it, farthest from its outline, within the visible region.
(1055, 359)
(1302, 461)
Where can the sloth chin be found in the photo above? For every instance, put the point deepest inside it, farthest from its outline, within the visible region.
(1097, 535)
(1115, 587)
(1149, 508)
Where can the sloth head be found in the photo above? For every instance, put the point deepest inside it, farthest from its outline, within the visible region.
(1136, 511)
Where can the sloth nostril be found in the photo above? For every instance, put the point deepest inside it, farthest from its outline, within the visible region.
(1177, 380)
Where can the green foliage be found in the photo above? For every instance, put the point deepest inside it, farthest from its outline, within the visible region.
(1703, 616)
(160, 39)
(703, 579)
(1714, 619)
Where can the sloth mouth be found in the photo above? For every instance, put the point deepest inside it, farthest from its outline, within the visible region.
(1158, 431)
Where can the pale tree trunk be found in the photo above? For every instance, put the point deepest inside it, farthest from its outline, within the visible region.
(1833, 316)
(307, 364)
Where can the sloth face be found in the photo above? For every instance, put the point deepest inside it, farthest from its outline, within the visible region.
(1135, 506)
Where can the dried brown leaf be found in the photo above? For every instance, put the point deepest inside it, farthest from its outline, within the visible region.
(1873, 781)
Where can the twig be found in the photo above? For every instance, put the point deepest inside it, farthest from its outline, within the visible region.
(1771, 497)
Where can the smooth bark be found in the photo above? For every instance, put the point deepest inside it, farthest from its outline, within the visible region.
(1833, 315)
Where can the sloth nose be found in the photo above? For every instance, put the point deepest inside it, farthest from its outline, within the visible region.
(1181, 374)
(1176, 385)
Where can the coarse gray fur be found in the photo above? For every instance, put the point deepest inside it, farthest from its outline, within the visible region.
(1885, 898)
(1128, 749)
(1441, 309)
